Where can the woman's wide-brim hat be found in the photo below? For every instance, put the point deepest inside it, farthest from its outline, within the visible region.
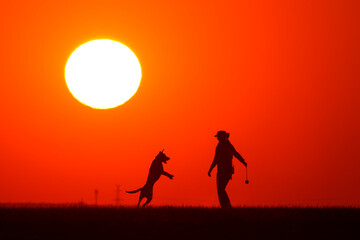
(222, 134)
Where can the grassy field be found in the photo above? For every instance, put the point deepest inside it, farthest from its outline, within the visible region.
(178, 223)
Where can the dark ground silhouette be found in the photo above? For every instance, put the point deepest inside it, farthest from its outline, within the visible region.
(223, 160)
(155, 172)
(179, 223)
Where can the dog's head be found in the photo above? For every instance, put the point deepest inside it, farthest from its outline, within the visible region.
(162, 157)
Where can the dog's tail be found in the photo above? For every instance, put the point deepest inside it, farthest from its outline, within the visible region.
(135, 191)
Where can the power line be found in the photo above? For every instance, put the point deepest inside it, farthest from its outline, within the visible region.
(117, 198)
(96, 193)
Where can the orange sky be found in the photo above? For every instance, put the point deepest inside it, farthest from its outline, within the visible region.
(281, 76)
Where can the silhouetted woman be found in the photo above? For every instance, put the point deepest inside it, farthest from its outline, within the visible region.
(223, 159)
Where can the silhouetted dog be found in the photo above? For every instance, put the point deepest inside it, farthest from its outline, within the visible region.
(156, 170)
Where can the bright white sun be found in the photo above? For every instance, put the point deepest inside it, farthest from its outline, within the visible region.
(103, 73)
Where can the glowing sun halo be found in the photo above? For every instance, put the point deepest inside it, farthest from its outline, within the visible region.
(103, 73)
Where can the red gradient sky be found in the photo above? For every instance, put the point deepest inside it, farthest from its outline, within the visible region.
(283, 77)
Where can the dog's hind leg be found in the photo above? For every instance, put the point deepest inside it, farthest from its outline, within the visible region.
(148, 200)
(140, 198)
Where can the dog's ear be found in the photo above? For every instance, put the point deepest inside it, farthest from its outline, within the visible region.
(162, 151)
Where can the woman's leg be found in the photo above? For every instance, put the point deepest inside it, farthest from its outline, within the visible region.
(221, 181)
